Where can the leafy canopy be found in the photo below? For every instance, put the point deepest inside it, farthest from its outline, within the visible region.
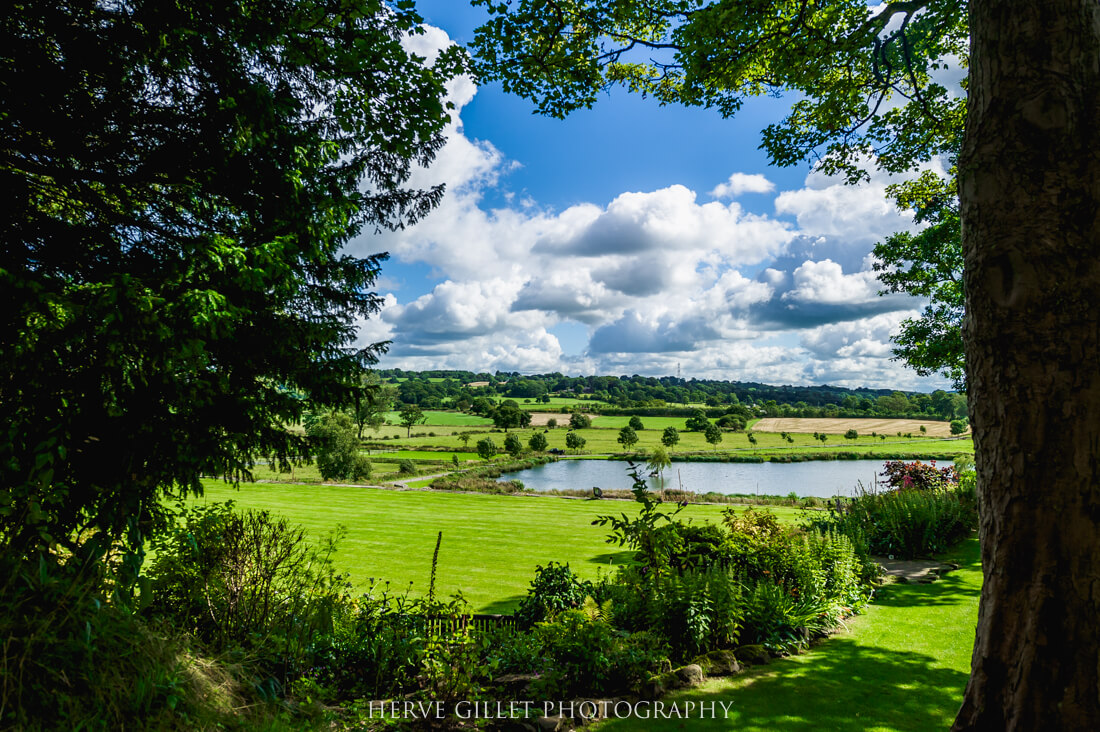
(929, 264)
(181, 180)
(862, 76)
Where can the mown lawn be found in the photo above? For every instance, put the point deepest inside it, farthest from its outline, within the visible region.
(903, 665)
(491, 544)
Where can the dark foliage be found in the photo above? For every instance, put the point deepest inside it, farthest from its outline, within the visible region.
(181, 180)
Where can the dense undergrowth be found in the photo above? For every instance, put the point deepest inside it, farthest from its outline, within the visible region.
(925, 511)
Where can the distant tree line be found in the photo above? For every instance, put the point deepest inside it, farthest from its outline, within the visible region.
(481, 393)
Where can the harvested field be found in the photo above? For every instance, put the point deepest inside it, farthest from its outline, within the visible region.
(539, 419)
(863, 426)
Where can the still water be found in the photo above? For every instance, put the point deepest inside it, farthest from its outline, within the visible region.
(823, 478)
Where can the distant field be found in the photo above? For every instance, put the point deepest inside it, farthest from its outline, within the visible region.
(491, 544)
(557, 403)
(648, 423)
(863, 426)
(444, 419)
(541, 419)
(767, 443)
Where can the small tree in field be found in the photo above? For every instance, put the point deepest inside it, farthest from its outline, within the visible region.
(464, 438)
(628, 438)
(823, 437)
(574, 441)
(636, 423)
(537, 442)
(578, 421)
(713, 435)
(670, 437)
(752, 439)
(697, 422)
(410, 416)
(552, 423)
(851, 435)
(659, 460)
(512, 445)
(336, 448)
(371, 406)
(486, 449)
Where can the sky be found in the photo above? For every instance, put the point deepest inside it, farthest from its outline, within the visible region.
(634, 239)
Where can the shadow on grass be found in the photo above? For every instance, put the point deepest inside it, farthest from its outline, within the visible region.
(613, 558)
(845, 686)
(952, 588)
(505, 606)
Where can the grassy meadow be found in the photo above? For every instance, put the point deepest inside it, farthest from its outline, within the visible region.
(491, 544)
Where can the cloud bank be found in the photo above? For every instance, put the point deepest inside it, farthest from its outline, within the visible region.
(658, 278)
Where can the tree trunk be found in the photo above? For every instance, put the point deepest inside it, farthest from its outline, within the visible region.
(1030, 195)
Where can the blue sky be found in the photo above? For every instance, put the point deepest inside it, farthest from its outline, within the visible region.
(633, 239)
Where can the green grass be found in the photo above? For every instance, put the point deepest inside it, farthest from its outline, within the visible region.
(656, 424)
(421, 455)
(605, 441)
(901, 666)
(557, 403)
(491, 544)
(441, 419)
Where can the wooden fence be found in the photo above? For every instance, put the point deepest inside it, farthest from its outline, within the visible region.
(449, 625)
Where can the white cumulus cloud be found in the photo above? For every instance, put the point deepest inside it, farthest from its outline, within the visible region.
(739, 183)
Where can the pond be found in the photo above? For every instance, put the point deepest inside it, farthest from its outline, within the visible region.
(822, 478)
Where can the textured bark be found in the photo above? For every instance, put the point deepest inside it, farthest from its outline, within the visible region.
(1030, 195)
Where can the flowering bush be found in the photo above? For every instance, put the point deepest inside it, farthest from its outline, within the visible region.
(919, 476)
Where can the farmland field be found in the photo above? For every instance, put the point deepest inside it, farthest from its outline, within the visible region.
(491, 544)
(603, 441)
(863, 426)
(446, 419)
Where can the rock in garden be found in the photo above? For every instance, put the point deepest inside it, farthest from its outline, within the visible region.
(753, 655)
(690, 675)
(721, 663)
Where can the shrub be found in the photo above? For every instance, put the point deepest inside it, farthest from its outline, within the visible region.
(555, 588)
(406, 467)
(580, 654)
(73, 658)
(486, 449)
(730, 422)
(905, 523)
(783, 622)
(381, 643)
(336, 448)
(696, 610)
(244, 579)
(700, 546)
(578, 421)
(919, 476)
